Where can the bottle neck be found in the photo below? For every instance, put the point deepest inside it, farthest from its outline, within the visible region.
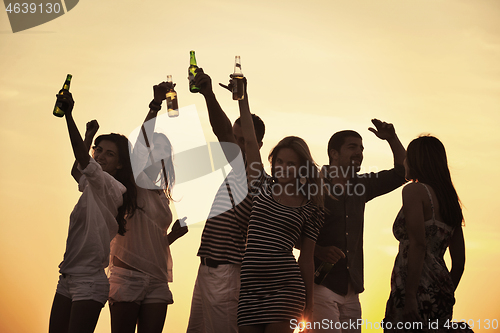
(237, 67)
(192, 59)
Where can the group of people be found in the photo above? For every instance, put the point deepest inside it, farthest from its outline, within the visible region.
(248, 279)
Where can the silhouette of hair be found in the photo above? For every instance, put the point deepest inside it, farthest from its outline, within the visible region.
(427, 163)
(314, 180)
(124, 176)
(258, 125)
(338, 139)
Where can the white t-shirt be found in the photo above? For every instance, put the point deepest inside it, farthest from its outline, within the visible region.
(93, 222)
(145, 245)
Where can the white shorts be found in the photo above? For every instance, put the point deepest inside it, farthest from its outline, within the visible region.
(84, 287)
(127, 285)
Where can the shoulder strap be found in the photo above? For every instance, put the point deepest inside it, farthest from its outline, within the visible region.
(430, 199)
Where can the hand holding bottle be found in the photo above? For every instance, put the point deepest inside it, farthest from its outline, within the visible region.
(203, 82)
(160, 90)
(65, 99)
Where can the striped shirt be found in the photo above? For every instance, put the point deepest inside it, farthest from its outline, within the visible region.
(224, 236)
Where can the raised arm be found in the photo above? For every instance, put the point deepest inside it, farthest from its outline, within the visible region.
(221, 125)
(386, 131)
(92, 127)
(79, 149)
(413, 198)
(254, 162)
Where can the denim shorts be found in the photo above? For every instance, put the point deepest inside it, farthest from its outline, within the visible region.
(132, 286)
(84, 287)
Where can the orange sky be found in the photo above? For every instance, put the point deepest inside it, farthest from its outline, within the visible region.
(313, 68)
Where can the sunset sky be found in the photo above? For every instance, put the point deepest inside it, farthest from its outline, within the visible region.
(313, 68)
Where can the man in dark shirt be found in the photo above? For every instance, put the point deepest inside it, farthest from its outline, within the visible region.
(336, 300)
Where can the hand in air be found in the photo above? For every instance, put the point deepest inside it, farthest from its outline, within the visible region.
(382, 129)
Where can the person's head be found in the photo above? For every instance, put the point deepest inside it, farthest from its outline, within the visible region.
(111, 151)
(426, 162)
(292, 162)
(259, 127)
(345, 149)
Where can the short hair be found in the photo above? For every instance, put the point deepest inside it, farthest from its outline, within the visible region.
(338, 139)
(258, 125)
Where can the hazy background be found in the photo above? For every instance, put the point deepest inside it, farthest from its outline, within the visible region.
(313, 68)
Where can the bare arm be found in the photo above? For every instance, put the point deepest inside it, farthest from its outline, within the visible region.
(221, 125)
(254, 162)
(79, 149)
(457, 253)
(413, 198)
(386, 131)
(92, 127)
(306, 264)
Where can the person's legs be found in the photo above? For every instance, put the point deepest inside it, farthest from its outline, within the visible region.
(196, 322)
(350, 312)
(152, 318)
(59, 314)
(326, 315)
(127, 289)
(84, 316)
(123, 316)
(219, 291)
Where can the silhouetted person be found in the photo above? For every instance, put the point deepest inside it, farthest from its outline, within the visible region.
(430, 221)
(276, 290)
(106, 181)
(141, 261)
(340, 241)
(217, 287)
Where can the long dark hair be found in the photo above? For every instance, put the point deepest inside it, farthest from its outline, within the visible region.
(125, 176)
(427, 163)
(308, 169)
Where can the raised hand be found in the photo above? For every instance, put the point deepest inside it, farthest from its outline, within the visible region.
(65, 97)
(203, 81)
(92, 128)
(384, 131)
(160, 90)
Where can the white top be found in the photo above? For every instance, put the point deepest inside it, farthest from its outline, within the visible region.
(145, 245)
(93, 222)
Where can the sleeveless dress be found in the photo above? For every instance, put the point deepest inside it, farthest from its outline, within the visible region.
(435, 294)
(272, 289)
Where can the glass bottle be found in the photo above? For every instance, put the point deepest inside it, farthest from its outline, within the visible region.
(61, 107)
(238, 86)
(191, 72)
(322, 271)
(172, 102)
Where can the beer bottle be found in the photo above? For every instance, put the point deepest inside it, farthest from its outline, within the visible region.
(238, 93)
(172, 103)
(61, 107)
(191, 72)
(322, 271)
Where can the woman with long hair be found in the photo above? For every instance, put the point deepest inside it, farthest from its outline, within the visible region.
(287, 211)
(430, 221)
(106, 181)
(141, 265)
